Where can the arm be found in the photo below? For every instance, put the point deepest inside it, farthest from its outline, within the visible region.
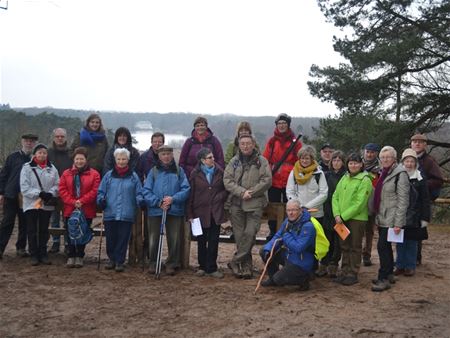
(277, 236)
(54, 189)
(150, 197)
(183, 194)
(300, 243)
(425, 203)
(90, 196)
(109, 161)
(359, 202)
(101, 192)
(218, 153)
(190, 204)
(140, 201)
(290, 187)
(229, 180)
(64, 191)
(336, 199)
(265, 179)
(26, 186)
(323, 193)
(4, 173)
(402, 200)
(185, 153)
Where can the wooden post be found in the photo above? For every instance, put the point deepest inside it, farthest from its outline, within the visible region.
(185, 249)
(135, 246)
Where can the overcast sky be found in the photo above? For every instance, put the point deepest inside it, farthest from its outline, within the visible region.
(244, 57)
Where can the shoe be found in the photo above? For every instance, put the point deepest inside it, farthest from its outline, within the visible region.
(349, 280)
(235, 267)
(34, 261)
(322, 271)
(152, 269)
(54, 248)
(22, 253)
(70, 262)
(399, 272)
(419, 262)
(120, 268)
(200, 273)
(78, 262)
(332, 271)
(268, 282)
(381, 285)
(44, 260)
(304, 286)
(409, 272)
(247, 272)
(338, 279)
(367, 261)
(170, 270)
(110, 266)
(391, 278)
(215, 274)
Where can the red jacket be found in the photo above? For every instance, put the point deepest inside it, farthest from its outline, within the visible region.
(274, 151)
(90, 180)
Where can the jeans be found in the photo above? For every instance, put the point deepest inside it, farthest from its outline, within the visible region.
(385, 253)
(54, 223)
(117, 238)
(407, 254)
(11, 209)
(37, 229)
(208, 245)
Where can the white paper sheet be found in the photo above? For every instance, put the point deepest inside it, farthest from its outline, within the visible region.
(392, 237)
(196, 227)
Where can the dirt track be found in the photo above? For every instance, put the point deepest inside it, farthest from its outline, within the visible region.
(47, 301)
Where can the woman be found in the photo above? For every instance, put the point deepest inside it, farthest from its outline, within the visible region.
(39, 186)
(390, 202)
(92, 137)
(329, 264)
(122, 139)
(417, 216)
(206, 201)
(78, 190)
(280, 145)
(201, 137)
(119, 194)
(243, 128)
(350, 207)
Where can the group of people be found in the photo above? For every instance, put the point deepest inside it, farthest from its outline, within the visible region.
(360, 191)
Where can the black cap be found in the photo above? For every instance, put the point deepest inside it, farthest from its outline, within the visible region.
(30, 137)
(326, 145)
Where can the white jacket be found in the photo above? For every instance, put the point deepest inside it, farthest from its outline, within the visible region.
(311, 195)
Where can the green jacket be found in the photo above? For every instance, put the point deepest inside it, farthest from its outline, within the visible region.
(351, 197)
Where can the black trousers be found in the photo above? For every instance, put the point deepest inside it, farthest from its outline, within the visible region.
(208, 246)
(38, 221)
(11, 209)
(385, 253)
(275, 195)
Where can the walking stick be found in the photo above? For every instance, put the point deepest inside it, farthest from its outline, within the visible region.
(267, 264)
(143, 238)
(100, 246)
(160, 245)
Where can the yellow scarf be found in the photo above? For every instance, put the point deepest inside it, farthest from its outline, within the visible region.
(303, 175)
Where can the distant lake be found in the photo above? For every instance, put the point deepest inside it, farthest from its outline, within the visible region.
(143, 138)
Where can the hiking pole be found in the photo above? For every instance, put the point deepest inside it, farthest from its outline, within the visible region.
(100, 246)
(143, 238)
(266, 265)
(160, 245)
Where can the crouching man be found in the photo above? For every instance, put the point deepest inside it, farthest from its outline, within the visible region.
(294, 249)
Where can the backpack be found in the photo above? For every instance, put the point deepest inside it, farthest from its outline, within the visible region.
(322, 244)
(78, 228)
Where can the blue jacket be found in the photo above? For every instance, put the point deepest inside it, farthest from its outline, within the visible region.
(299, 242)
(162, 182)
(123, 194)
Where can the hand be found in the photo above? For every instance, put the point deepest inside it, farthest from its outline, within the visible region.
(266, 255)
(78, 204)
(46, 196)
(142, 205)
(42, 195)
(167, 200)
(247, 195)
(397, 230)
(338, 219)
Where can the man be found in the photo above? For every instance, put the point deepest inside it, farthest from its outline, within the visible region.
(430, 170)
(247, 177)
(148, 158)
(325, 157)
(294, 249)
(166, 189)
(372, 166)
(58, 155)
(9, 196)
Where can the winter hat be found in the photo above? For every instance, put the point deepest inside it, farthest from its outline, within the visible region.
(201, 119)
(283, 117)
(409, 153)
(39, 146)
(372, 147)
(165, 148)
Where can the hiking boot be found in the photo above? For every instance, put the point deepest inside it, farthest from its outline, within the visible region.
(399, 272)
(349, 280)
(235, 267)
(247, 272)
(44, 260)
(268, 282)
(110, 266)
(367, 261)
(304, 286)
(22, 253)
(34, 261)
(338, 279)
(70, 262)
(120, 268)
(54, 248)
(215, 274)
(322, 271)
(200, 273)
(409, 272)
(78, 262)
(170, 270)
(152, 269)
(381, 285)
(332, 271)
(391, 278)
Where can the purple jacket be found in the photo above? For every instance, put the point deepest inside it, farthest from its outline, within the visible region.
(146, 162)
(188, 156)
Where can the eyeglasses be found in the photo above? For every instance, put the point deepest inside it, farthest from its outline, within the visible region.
(282, 122)
(386, 157)
(209, 157)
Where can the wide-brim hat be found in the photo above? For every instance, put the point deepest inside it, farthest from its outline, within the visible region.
(409, 153)
(165, 148)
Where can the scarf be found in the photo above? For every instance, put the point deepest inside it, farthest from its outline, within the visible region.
(42, 164)
(378, 188)
(171, 167)
(77, 184)
(372, 166)
(201, 138)
(208, 171)
(89, 138)
(121, 171)
(303, 175)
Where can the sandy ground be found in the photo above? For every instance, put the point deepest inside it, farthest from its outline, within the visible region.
(53, 301)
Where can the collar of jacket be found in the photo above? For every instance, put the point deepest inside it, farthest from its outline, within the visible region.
(172, 167)
(115, 174)
(35, 165)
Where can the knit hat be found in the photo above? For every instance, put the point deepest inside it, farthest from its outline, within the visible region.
(419, 137)
(409, 153)
(39, 146)
(201, 119)
(372, 147)
(283, 117)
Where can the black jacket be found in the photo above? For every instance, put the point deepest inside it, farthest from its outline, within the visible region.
(60, 158)
(418, 210)
(10, 174)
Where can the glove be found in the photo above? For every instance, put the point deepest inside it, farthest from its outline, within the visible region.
(266, 255)
(102, 204)
(46, 196)
(42, 195)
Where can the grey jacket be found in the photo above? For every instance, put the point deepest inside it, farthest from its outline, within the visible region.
(255, 176)
(29, 185)
(394, 199)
